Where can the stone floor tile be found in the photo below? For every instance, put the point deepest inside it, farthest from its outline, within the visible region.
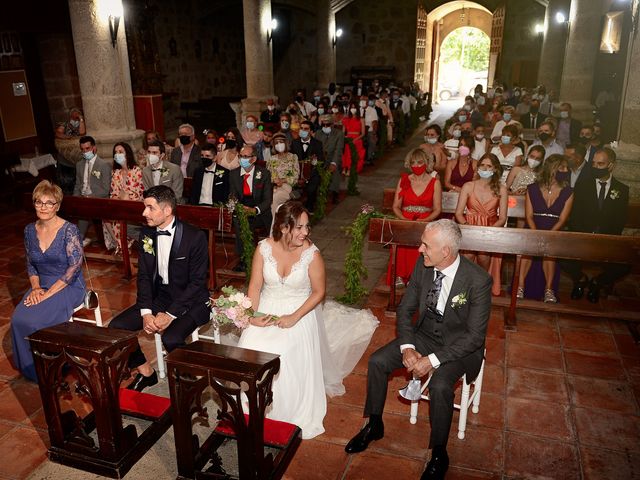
(457, 473)
(37, 420)
(493, 380)
(598, 464)
(544, 419)
(19, 401)
(534, 457)
(495, 351)
(626, 345)
(377, 465)
(21, 452)
(316, 460)
(341, 423)
(7, 369)
(481, 449)
(385, 333)
(568, 321)
(537, 333)
(615, 430)
(632, 365)
(402, 438)
(588, 341)
(535, 357)
(536, 385)
(605, 394)
(594, 365)
(490, 415)
(5, 428)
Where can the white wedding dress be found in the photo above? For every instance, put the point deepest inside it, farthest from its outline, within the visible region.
(308, 367)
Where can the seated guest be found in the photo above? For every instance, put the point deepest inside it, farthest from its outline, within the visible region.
(433, 146)
(547, 207)
(315, 116)
(250, 132)
(578, 166)
(150, 136)
(451, 143)
(187, 155)
(409, 205)
(126, 184)
(210, 182)
(507, 119)
(547, 138)
(600, 205)
(461, 170)
(54, 266)
(354, 129)
(480, 141)
(264, 146)
(93, 178)
(568, 130)
(507, 153)
(251, 186)
(533, 118)
(494, 115)
(285, 126)
(74, 127)
(307, 148)
(485, 201)
(522, 176)
(211, 136)
(338, 114)
(591, 141)
(518, 140)
(160, 172)
(332, 140)
(173, 263)
(524, 106)
(303, 108)
(271, 115)
(227, 157)
(285, 171)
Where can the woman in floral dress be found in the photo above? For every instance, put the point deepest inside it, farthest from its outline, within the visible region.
(285, 170)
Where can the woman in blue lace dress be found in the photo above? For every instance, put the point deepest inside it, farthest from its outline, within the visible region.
(54, 265)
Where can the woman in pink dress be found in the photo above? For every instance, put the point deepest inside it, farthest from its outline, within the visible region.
(461, 170)
(353, 128)
(486, 202)
(418, 197)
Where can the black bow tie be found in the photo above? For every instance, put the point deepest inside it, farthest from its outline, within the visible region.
(307, 142)
(163, 232)
(209, 171)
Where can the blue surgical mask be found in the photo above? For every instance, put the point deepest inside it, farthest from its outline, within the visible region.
(245, 162)
(485, 174)
(457, 133)
(250, 125)
(462, 118)
(371, 103)
(505, 139)
(431, 140)
(506, 117)
(304, 134)
(321, 111)
(88, 155)
(120, 158)
(326, 130)
(564, 114)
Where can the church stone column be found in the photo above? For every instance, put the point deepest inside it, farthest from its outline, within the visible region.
(103, 71)
(585, 29)
(553, 46)
(258, 59)
(326, 19)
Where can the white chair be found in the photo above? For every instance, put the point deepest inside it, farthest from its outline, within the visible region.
(467, 399)
(195, 336)
(98, 320)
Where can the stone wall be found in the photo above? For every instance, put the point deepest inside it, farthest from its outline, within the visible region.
(381, 33)
(60, 74)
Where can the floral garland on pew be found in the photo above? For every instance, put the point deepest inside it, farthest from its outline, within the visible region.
(352, 186)
(244, 230)
(323, 190)
(354, 269)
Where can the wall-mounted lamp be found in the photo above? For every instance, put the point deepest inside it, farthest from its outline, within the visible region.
(561, 17)
(114, 23)
(539, 28)
(338, 34)
(273, 26)
(611, 32)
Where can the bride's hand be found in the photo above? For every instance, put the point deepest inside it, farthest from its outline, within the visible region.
(263, 321)
(286, 321)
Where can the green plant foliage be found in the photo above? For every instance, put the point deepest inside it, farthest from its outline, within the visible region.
(469, 46)
(246, 236)
(323, 190)
(352, 186)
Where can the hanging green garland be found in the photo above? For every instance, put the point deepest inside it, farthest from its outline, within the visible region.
(352, 186)
(244, 230)
(354, 269)
(323, 190)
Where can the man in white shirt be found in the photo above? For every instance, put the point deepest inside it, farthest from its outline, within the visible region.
(575, 154)
(160, 172)
(210, 182)
(305, 108)
(371, 121)
(547, 138)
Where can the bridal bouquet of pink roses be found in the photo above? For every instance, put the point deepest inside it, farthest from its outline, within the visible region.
(233, 307)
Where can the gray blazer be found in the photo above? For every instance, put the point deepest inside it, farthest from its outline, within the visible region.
(333, 146)
(171, 176)
(463, 327)
(99, 178)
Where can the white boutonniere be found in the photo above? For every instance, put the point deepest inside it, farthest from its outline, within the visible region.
(219, 173)
(258, 175)
(96, 173)
(314, 160)
(164, 172)
(459, 300)
(147, 245)
(614, 194)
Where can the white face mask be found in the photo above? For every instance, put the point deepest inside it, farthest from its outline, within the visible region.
(250, 125)
(326, 130)
(480, 137)
(353, 111)
(153, 159)
(120, 158)
(271, 107)
(280, 147)
(564, 114)
(335, 110)
(532, 162)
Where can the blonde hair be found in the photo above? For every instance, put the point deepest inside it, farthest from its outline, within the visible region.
(45, 187)
(417, 154)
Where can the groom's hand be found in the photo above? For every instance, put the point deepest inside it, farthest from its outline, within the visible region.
(421, 367)
(410, 357)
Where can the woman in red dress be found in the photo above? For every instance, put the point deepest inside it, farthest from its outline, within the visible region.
(418, 197)
(353, 128)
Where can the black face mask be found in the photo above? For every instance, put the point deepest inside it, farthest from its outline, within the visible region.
(544, 136)
(185, 139)
(207, 162)
(585, 139)
(298, 99)
(599, 172)
(534, 110)
(230, 143)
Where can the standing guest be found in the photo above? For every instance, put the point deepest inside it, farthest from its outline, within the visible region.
(533, 118)
(601, 203)
(451, 144)
(251, 186)
(408, 204)
(480, 98)
(578, 166)
(160, 172)
(371, 122)
(547, 206)
(271, 115)
(315, 118)
(285, 171)
(547, 138)
(485, 201)
(508, 154)
(307, 148)
(332, 93)
(211, 136)
(173, 263)
(480, 141)
(568, 128)
(522, 176)
(524, 106)
(445, 342)
(228, 156)
(433, 146)
(250, 132)
(150, 136)
(126, 184)
(211, 181)
(332, 140)
(354, 128)
(93, 178)
(507, 119)
(187, 156)
(305, 109)
(338, 114)
(494, 115)
(54, 265)
(461, 170)
(74, 127)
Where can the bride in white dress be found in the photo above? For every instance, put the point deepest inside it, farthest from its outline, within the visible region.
(318, 346)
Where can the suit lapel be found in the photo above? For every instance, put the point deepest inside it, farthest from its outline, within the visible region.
(177, 238)
(459, 284)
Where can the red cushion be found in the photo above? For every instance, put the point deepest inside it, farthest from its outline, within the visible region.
(276, 433)
(143, 403)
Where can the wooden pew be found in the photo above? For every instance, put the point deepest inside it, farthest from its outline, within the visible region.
(519, 242)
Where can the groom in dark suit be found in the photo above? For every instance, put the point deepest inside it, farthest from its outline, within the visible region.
(172, 281)
(452, 297)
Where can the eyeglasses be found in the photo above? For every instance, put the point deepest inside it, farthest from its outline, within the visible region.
(40, 204)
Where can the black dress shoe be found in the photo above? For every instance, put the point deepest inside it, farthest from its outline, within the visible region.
(437, 466)
(141, 382)
(594, 292)
(361, 441)
(578, 289)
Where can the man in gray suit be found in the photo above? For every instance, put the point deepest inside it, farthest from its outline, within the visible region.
(333, 145)
(453, 299)
(160, 172)
(93, 177)
(187, 156)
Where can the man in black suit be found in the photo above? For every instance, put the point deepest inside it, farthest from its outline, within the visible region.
(251, 186)
(568, 130)
(452, 297)
(534, 118)
(591, 142)
(577, 165)
(187, 156)
(600, 204)
(211, 182)
(172, 298)
(308, 148)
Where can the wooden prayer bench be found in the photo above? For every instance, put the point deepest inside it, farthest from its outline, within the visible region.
(97, 358)
(590, 248)
(231, 372)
